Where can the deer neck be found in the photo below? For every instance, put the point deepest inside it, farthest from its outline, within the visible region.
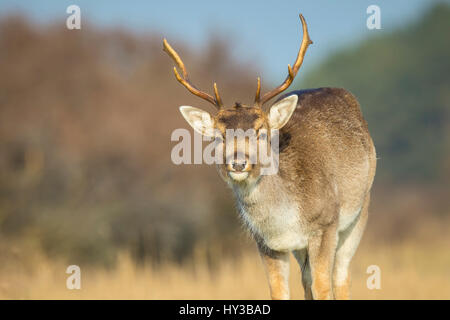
(265, 189)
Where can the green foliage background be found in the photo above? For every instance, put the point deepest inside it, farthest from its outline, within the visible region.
(402, 81)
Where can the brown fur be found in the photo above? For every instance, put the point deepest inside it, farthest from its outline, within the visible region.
(279, 282)
(316, 206)
(327, 163)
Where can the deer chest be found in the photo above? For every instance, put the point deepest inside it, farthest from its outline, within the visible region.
(276, 219)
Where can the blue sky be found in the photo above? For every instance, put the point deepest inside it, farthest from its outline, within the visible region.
(267, 32)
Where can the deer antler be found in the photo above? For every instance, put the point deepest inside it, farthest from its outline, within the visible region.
(292, 71)
(217, 102)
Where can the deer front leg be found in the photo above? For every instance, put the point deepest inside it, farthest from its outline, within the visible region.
(321, 252)
(303, 261)
(276, 265)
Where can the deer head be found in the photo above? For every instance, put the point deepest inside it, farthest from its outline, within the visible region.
(229, 123)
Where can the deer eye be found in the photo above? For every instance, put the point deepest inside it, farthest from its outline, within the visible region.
(262, 135)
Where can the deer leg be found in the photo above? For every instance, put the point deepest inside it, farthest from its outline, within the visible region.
(276, 265)
(321, 252)
(303, 261)
(347, 245)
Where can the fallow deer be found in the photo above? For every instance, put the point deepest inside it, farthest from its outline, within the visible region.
(316, 205)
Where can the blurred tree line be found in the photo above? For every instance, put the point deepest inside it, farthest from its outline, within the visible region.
(85, 124)
(402, 80)
(86, 118)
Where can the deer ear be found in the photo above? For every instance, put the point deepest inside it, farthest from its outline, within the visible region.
(198, 119)
(281, 112)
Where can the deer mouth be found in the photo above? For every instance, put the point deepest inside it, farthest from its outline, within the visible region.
(238, 175)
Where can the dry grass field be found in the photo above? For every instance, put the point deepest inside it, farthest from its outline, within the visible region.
(415, 268)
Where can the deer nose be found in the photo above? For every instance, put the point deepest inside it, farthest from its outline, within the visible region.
(239, 165)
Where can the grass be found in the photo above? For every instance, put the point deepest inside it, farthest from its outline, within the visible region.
(416, 268)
